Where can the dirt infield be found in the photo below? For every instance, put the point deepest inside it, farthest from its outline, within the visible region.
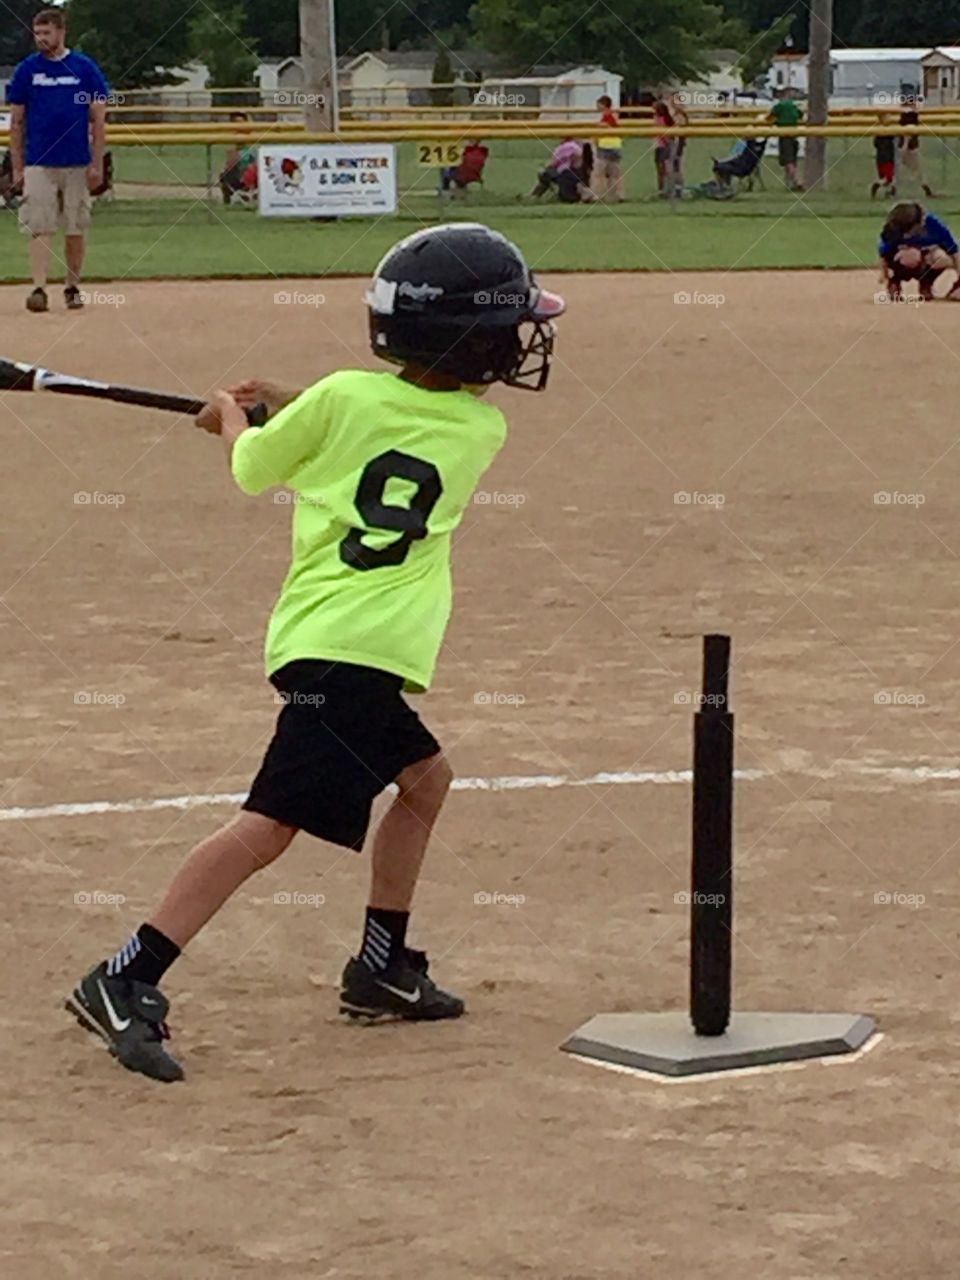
(696, 465)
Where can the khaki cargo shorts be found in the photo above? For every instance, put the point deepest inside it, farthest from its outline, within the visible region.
(53, 198)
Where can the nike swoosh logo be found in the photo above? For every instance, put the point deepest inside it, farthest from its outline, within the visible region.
(411, 997)
(118, 1024)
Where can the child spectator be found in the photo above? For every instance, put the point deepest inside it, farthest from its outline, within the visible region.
(469, 170)
(787, 114)
(884, 147)
(663, 151)
(609, 153)
(909, 147)
(565, 172)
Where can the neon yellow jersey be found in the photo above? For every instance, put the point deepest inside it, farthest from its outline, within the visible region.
(381, 471)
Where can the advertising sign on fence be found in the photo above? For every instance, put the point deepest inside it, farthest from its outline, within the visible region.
(331, 180)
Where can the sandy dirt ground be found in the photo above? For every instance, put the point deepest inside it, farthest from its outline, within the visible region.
(694, 466)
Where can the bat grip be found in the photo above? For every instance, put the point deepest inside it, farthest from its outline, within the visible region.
(257, 414)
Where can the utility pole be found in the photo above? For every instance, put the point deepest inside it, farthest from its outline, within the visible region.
(318, 52)
(818, 91)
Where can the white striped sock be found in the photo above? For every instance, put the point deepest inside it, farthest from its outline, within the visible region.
(127, 952)
(377, 944)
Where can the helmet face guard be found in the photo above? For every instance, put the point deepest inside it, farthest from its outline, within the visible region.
(532, 367)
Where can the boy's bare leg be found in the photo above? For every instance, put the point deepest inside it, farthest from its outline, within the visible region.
(215, 870)
(387, 980)
(402, 836)
(119, 999)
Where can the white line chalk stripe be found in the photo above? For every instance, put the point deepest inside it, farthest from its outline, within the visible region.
(508, 782)
(530, 782)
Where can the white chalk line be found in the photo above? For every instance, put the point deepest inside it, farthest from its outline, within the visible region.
(507, 782)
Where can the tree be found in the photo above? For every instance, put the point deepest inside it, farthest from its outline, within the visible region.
(316, 47)
(137, 45)
(216, 40)
(818, 95)
(442, 75)
(649, 42)
(759, 51)
(274, 26)
(16, 36)
(924, 22)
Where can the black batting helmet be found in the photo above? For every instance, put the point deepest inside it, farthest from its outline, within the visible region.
(454, 299)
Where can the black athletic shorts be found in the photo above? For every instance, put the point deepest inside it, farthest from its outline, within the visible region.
(789, 149)
(343, 734)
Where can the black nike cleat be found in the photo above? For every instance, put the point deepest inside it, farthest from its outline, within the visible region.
(404, 990)
(130, 1017)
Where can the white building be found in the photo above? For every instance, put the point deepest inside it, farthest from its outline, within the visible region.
(789, 71)
(865, 77)
(554, 88)
(859, 77)
(941, 76)
(719, 85)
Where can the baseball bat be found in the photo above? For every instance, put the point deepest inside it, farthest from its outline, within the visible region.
(15, 376)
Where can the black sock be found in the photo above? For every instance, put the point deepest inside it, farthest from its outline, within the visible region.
(145, 957)
(384, 937)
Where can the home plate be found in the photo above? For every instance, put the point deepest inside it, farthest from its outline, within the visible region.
(666, 1044)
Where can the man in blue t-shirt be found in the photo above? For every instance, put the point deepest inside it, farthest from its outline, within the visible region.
(59, 104)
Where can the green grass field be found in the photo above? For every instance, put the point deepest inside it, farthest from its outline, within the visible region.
(185, 236)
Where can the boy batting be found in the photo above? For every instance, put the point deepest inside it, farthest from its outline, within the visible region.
(384, 465)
